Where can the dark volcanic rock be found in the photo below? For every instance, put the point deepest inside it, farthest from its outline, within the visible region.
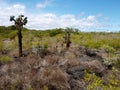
(85, 58)
(87, 54)
(76, 72)
(91, 52)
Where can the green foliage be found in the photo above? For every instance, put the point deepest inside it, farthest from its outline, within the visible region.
(113, 81)
(71, 30)
(117, 63)
(1, 45)
(40, 44)
(12, 27)
(112, 60)
(46, 88)
(110, 41)
(94, 82)
(54, 32)
(2, 29)
(5, 31)
(30, 88)
(108, 48)
(5, 59)
(12, 35)
(15, 85)
(108, 61)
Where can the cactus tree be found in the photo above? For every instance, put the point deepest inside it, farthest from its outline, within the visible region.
(19, 22)
(67, 39)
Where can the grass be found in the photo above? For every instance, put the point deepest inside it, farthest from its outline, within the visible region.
(97, 40)
(5, 59)
(89, 39)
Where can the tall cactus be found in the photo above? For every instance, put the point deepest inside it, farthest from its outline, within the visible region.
(19, 22)
(67, 39)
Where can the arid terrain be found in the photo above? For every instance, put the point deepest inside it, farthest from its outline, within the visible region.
(92, 62)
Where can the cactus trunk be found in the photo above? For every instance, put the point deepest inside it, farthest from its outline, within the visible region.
(20, 42)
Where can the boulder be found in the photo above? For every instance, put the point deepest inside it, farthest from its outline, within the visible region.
(76, 72)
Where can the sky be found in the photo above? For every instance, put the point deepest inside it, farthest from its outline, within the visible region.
(85, 15)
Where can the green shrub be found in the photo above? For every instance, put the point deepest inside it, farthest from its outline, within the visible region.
(30, 88)
(113, 81)
(45, 87)
(5, 59)
(54, 32)
(12, 35)
(108, 48)
(117, 63)
(95, 83)
(1, 46)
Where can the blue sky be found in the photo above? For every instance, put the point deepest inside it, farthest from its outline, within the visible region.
(86, 15)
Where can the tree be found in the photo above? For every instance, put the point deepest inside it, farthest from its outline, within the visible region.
(19, 22)
(67, 39)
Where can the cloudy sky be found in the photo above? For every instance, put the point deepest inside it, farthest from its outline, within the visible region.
(86, 15)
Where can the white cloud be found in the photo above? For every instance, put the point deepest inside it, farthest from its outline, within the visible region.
(18, 6)
(9, 10)
(47, 20)
(44, 4)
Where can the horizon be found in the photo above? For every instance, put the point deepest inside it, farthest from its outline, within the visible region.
(85, 15)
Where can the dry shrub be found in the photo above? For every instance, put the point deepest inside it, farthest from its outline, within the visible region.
(52, 77)
(94, 66)
(69, 55)
(14, 53)
(52, 60)
(71, 63)
(77, 84)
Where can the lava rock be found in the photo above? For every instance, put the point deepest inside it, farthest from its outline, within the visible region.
(76, 72)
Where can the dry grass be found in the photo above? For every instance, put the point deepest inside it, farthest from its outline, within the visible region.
(52, 77)
(52, 60)
(71, 63)
(94, 66)
(37, 73)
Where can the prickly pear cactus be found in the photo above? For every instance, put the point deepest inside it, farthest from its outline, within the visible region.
(19, 22)
(67, 39)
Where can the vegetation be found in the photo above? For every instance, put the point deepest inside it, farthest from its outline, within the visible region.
(19, 22)
(45, 60)
(5, 59)
(94, 82)
(67, 38)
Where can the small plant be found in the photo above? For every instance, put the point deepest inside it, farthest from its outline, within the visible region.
(108, 48)
(1, 46)
(12, 35)
(45, 88)
(94, 82)
(67, 39)
(117, 63)
(30, 88)
(5, 59)
(113, 81)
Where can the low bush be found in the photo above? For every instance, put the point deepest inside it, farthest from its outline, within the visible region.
(5, 59)
(94, 82)
(108, 48)
(12, 35)
(1, 46)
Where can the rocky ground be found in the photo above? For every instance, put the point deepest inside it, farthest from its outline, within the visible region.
(54, 69)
